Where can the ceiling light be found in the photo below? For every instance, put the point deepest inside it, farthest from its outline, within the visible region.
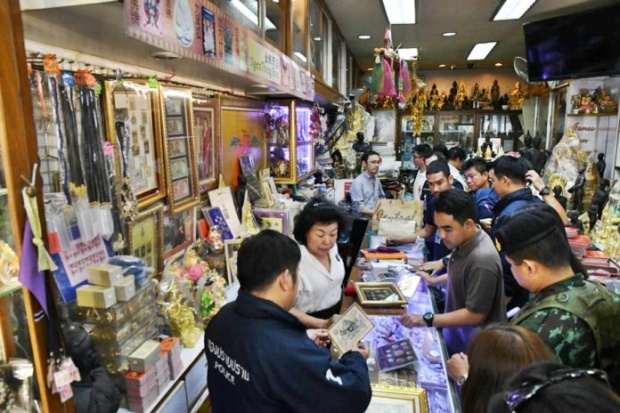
(301, 56)
(442, 65)
(408, 54)
(481, 51)
(513, 9)
(363, 36)
(400, 11)
(449, 34)
(498, 64)
(275, 1)
(370, 69)
(317, 39)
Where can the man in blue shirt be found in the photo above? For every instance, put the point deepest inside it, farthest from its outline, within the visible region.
(477, 178)
(366, 189)
(261, 359)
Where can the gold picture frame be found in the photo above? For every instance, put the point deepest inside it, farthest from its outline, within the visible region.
(379, 294)
(206, 120)
(179, 152)
(145, 234)
(132, 112)
(350, 329)
(396, 398)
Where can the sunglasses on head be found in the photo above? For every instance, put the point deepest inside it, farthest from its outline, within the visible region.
(514, 400)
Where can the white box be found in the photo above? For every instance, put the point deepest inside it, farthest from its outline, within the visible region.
(105, 275)
(126, 289)
(96, 296)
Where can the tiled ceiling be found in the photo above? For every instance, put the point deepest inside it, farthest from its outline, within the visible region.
(470, 19)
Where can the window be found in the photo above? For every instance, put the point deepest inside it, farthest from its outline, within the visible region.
(300, 31)
(274, 22)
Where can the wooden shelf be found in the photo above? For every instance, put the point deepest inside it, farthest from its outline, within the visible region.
(585, 115)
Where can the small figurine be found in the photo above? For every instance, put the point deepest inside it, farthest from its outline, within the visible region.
(495, 94)
(577, 190)
(557, 192)
(601, 196)
(526, 150)
(573, 220)
(601, 165)
(487, 148)
(538, 157)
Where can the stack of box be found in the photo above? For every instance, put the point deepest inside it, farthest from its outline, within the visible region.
(142, 389)
(171, 349)
(163, 371)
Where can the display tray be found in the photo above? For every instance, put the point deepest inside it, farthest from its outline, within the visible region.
(379, 294)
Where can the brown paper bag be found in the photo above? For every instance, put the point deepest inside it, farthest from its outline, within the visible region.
(398, 209)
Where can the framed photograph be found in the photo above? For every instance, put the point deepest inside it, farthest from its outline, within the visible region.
(350, 329)
(231, 248)
(208, 32)
(272, 218)
(178, 231)
(215, 217)
(206, 141)
(132, 113)
(180, 160)
(222, 198)
(396, 355)
(386, 398)
(379, 294)
(145, 235)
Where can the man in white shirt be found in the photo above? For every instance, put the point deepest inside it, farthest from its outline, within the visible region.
(420, 153)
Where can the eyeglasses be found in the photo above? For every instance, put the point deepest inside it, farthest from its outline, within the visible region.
(375, 162)
(518, 397)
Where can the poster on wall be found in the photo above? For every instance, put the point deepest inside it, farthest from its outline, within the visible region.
(206, 141)
(243, 133)
(208, 32)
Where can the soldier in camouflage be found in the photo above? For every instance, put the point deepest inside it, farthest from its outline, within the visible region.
(579, 319)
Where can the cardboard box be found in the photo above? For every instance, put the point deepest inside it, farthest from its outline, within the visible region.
(95, 296)
(105, 275)
(126, 289)
(145, 356)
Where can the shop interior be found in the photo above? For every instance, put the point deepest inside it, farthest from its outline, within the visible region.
(141, 142)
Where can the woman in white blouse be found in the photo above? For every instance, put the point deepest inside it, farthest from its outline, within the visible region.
(321, 270)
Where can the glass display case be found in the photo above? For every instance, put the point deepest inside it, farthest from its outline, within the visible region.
(501, 128)
(408, 138)
(457, 129)
(289, 143)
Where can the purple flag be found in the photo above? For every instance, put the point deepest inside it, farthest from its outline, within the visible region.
(29, 274)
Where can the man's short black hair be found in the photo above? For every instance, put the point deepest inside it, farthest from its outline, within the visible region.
(367, 154)
(457, 203)
(456, 152)
(511, 167)
(438, 166)
(441, 147)
(317, 211)
(424, 150)
(262, 257)
(478, 163)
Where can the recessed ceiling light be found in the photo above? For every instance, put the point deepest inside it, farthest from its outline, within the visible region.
(449, 34)
(400, 11)
(363, 36)
(513, 9)
(442, 65)
(481, 51)
(370, 69)
(408, 54)
(498, 64)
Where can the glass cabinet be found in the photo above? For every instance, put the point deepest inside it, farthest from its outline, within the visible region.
(456, 129)
(289, 143)
(501, 128)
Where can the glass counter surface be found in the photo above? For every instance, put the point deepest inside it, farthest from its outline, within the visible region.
(429, 370)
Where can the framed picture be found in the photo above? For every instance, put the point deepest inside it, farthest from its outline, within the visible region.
(243, 133)
(178, 231)
(385, 125)
(379, 294)
(222, 198)
(386, 398)
(231, 248)
(395, 355)
(272, 218)
(206, 141)
(145, 235)
(215, 217)
(208, 32)
(180, 160)
(350, 329)
(132, 115)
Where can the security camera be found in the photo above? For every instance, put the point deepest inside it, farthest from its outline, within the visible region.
(452, 67)
(470, 65)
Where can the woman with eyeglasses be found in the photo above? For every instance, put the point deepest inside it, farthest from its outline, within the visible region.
(548, 387)
(494, 354)
(321, 270)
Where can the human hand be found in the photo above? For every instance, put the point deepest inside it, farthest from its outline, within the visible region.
(319, 336)
(363, 350)
(458, 366)
(393, 240)
(428, 278)
(535, 179)
(331, 320)
(432, 266)
(412, 320)
(486, 223)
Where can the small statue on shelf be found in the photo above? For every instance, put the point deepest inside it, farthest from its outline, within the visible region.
(360, 146)
(557, 192)
(526, 150)
(538, 156)
(601, 165)
(578, 190)
(487, 148)
(601, 196)
(495, 94)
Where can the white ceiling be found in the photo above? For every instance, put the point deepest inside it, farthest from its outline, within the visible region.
(470, 19)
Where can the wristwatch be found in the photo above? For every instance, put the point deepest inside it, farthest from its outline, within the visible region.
(445, 261)
(428, 319)
(461, 380)
(545, 191)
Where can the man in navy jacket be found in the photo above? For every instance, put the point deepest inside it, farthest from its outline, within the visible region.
(261, 358)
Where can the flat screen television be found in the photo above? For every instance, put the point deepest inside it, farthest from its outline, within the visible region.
(578, 45)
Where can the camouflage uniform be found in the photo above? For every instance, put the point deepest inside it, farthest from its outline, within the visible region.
(568, 335)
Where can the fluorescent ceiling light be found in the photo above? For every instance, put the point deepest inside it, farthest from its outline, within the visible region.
(449, 34)
(251, 15)
(442, 65)
(400, 11)
(499, 64)
(363, 36)
(481, 51)
(513, 9)
(317, 39)
(301, 56)
(408, 54)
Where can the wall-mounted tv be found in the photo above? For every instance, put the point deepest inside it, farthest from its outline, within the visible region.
(578, 45)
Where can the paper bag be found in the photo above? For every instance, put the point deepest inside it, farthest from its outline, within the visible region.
(400, 210)
(388, 226)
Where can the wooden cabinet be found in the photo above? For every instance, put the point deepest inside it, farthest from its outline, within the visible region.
(289, 144)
